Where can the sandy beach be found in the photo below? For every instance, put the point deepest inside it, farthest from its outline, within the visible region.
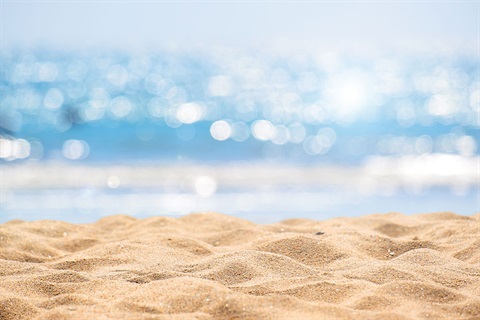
(215, 266)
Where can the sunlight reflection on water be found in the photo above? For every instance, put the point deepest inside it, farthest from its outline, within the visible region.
(236, 131)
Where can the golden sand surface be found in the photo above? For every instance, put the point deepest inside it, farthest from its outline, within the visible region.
(215, 266)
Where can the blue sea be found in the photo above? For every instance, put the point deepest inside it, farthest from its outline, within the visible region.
(262, 136)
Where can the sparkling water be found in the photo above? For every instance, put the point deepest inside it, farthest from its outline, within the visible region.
(264, 136)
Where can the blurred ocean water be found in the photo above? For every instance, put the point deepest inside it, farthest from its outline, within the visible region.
(264, 136)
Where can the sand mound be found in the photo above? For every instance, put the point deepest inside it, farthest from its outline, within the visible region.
(214, 266)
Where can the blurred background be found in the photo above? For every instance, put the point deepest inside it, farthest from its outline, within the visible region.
(266, 111)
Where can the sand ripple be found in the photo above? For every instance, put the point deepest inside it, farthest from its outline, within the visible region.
(214, 266)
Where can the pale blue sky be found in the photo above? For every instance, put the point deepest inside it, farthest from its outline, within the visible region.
(304, 25)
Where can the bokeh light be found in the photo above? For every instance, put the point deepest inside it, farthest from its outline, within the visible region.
(120, 107)
(240, 131)
(189, 112)
(53, 98)
(13, 149)
(221, 130)
(263, 130)
(348, 93)
(75, 149)
(205, 186)
(113, 182)
(48, 72)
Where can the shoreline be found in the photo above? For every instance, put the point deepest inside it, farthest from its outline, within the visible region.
(435, 170)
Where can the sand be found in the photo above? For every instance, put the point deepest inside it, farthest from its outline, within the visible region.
(215, 266)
